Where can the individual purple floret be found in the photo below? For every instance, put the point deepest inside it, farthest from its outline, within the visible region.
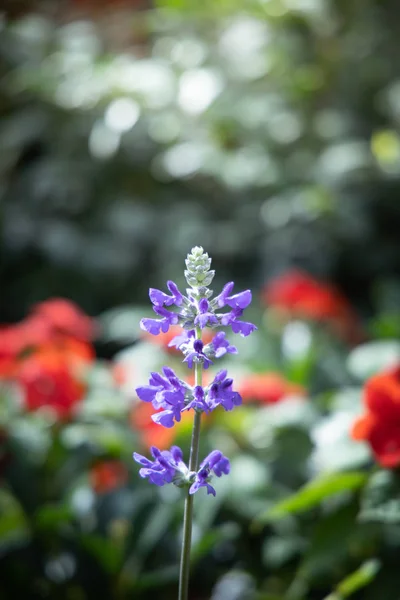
(198, 401)
(183, 339)
(215, 463)
(159, 298)
(197, 355)
(221, 346)
(168, 467)
(231, 319)
(221, 393)
(166, 392)
(156, 326)
(205, 316)
(240, 300)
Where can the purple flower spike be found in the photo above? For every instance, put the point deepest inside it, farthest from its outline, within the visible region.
(221, 346)
(205, 317)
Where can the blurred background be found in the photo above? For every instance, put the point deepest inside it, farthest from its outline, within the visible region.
(266, 131)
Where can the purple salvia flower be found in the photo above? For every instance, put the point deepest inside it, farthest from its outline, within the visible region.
(184, 338)
(197, 355)
(220, 300)
(240, 300)
(156, 326)
(159, 298)
(221, 393)
(167, 393)
(231, 319)
(198, 402)
(204, 316)
(215, 463)
(220, 345)
(166, 466)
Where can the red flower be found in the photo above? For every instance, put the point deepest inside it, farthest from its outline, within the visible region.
(65, 317)
(380, 426)
(150, 433)
(107, 476)
(299, 294)
(46, 354)
(267, 388)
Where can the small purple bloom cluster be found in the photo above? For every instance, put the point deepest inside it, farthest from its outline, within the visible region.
(171, 396)
(168, 467)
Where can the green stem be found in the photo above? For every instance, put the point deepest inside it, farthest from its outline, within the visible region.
(184, 571)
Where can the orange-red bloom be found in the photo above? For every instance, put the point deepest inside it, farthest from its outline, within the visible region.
(108, 475)
(46, 354)
(65, 317)
(267, 388)
(380, 426)
(298, 294)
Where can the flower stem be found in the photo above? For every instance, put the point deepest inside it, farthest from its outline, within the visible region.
(188, 513)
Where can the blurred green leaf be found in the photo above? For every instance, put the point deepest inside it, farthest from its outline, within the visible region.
(363, 576)
(108, 554)
(53, 516)
(14, 526)
(314, 493)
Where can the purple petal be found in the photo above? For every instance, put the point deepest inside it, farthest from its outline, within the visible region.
(158, 298)
(243, 328)
(142, 460)
(165, 418)
(241, 300)
(147, 393)
(152, 326)
(177, 296)
(221, 298)
(211, 459)
(203, 305)
(177, 453)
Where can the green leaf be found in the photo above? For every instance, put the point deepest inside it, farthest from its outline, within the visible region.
(14, 527)
(380, 501)
(108, 554)
(53, 516)
(357, 580)
(314, 493)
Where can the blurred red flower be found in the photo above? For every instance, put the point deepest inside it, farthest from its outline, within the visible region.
(267, 388)
(46, 355)
(380, 425)
(108, 475)
(65, 317)
(150, 433)
(298, 294)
